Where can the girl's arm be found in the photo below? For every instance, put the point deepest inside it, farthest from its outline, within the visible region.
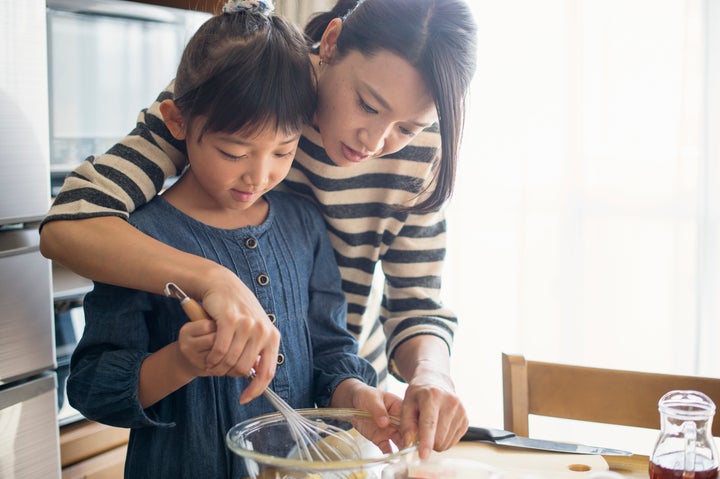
(172, 367)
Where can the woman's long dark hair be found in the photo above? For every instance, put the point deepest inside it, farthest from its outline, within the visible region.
(438, 38)
(244, 71)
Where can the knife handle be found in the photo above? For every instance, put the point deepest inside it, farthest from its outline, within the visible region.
(485, 434)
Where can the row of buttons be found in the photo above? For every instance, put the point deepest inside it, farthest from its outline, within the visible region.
(263, 280)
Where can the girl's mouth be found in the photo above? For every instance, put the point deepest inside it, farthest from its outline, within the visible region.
(242, 195)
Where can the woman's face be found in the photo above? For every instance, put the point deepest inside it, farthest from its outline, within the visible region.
(368, 106)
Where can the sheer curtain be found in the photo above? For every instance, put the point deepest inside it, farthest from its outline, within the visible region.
(301, 10)
(584, 228)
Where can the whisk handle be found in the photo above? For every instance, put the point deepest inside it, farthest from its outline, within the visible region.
(193, 309)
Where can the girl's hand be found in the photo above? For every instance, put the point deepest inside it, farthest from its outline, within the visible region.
(194, 343)
(381, 405)
(245, 337)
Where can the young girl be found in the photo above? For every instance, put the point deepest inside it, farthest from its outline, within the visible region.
(379, 161)
(242, 94)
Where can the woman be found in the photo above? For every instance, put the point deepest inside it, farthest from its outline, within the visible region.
(392, 77)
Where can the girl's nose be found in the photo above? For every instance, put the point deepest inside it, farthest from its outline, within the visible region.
(257, 175)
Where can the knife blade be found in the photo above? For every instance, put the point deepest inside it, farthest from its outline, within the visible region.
(507, 438)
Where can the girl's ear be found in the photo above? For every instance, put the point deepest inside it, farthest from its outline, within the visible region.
(173, 119)
(328, 42)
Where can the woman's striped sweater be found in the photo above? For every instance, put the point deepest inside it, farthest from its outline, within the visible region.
(357, 203)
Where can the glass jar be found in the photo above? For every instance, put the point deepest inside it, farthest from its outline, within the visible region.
(685, 447)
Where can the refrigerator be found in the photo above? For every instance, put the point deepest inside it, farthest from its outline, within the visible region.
(29, 436)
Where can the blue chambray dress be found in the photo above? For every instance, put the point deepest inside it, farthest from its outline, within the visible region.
(183, 435)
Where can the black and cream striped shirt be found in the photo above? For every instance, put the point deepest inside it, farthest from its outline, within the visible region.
(357, 203)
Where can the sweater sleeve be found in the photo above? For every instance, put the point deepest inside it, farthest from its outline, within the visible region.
(127, 176)
(411, 303)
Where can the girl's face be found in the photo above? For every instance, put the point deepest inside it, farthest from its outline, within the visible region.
(230, 172)
(368, 106)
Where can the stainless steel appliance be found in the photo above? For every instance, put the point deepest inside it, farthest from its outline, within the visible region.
(108, 59)
(29, 444)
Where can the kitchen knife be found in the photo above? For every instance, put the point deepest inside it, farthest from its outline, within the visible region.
(507, 438)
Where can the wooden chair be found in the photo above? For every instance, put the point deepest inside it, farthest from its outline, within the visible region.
(626, 398)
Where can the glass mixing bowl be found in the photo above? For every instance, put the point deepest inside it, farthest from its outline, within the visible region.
(268, 448)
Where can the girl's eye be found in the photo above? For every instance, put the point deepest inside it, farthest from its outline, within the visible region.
(232, 157)
(285, 155)
(365, 106)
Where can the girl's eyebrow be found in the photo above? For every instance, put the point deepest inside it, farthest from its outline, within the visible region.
(383, 103)
(239, 141)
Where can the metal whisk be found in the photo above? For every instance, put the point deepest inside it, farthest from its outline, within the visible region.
(316, 440)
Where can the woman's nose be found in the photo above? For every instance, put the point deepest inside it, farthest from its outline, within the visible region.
(373, 138)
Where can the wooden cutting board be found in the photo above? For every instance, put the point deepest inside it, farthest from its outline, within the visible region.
(525, 463)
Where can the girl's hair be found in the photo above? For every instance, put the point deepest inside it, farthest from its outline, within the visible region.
(438, 38)
(244, 71)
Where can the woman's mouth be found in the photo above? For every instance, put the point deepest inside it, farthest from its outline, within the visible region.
(353, 155)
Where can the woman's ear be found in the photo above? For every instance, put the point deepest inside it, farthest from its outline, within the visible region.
(328, 42)
(173, 119)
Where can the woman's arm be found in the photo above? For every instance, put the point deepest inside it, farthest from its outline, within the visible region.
(135, 260)
(130, 258)
(110, 250)
(419, 332)
(432, 412)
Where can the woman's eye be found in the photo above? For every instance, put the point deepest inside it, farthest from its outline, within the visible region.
(407, 132)
(365, 106)
(285, 155)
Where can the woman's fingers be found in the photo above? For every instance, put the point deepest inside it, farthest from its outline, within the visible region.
(433, 416)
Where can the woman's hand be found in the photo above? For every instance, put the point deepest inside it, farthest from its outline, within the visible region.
(245, 339)
(432, 413)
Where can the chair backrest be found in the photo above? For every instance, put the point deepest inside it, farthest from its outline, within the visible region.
(611, 396)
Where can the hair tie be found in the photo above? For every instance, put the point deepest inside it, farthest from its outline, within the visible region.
(255, 6)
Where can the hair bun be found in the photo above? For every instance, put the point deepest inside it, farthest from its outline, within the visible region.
(255, 6)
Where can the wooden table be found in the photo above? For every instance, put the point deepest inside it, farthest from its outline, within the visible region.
(548, 465)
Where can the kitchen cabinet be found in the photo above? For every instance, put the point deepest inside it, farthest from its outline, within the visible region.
(89, 450)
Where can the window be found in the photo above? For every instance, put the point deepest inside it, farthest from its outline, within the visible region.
(584, 227)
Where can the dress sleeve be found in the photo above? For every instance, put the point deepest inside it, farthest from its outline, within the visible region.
(335, 350)
(411, 303)
(105, 366)
(127, 176)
